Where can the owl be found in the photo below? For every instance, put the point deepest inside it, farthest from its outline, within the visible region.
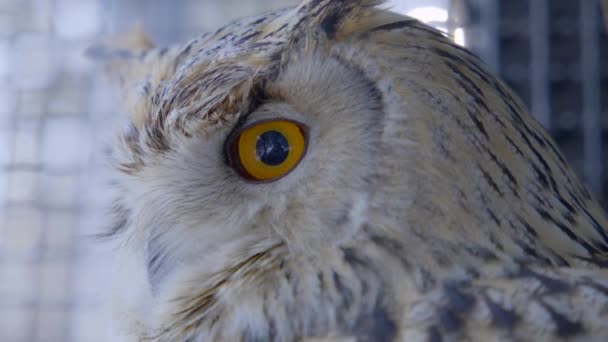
(338, 172)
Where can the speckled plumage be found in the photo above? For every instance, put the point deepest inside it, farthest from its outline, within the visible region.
(430, 205)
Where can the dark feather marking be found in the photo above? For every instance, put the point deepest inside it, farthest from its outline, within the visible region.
(495, 242)
(559, 260)
(394, 26)
(478, 124)
(272, 326)
(553, 182)
(514, 145)
(503, 167)
(345, 292)
(181, 56)
(147, 88)
(536, 135)
(312, 5)
(566, 230)
(157, 257)
(515, 115)
(490, 181)
(457, 300)
(603, 231)
(542, 178)
(463, 80)
(491, 212)
(540, 199)
(444, 150)
(530, 251)
(470, 86)
(527, 227)
(576, 200)
(434, 335)
(567, 205)
(341, 217)
(501, 317)
(246, 38)
(120, 221)
(321, 280)
(601, 246)
(393, 247)
(375, 326)
(569, 218)
(458, 305)
(565, 327)
(476, 95)
(449, 320)
(552, 285)
(330, 23)
(524, 134)
(476, 67)
(157, 139)
(119, 225)
(361, 264)
(481, 252)
(548, 174)
(258, 21)
(272, 33)
(351, 257)
(259, 45)
(131, 136)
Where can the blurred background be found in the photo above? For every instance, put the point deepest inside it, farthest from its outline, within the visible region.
(56, 114)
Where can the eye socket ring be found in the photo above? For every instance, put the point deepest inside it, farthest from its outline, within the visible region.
(267, 150)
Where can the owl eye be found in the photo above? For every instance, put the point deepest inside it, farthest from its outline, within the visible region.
(267, 150)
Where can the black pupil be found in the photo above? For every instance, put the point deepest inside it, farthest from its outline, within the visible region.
(272, 148)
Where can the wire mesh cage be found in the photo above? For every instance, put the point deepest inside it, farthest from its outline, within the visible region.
(554, 54)
(56, 116)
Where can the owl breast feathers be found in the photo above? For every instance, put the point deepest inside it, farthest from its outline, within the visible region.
(335, 171)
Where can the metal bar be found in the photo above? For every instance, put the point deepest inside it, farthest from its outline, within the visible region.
(590, 64)
(538, 26)
(490, 19)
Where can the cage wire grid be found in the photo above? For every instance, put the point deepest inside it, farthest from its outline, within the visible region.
(56, 115)
(554, 54)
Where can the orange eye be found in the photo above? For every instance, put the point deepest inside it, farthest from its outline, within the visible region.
(268, 150)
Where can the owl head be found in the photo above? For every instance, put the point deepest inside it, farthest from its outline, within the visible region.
(258, 135)
(306, 142)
